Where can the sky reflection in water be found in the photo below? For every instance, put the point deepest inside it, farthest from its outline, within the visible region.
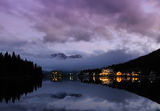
(75, 95)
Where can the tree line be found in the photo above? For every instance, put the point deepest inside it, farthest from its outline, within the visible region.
(14, 65)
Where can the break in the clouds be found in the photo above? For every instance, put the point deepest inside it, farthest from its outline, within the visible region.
(83, 27)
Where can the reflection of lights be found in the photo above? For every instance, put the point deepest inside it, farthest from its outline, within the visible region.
(71, 78)
(54, 79)
(94, 78)
(118, 79)
(139, 81)
(128, 78)
(134, 79)
(105, 80)
(59, 77)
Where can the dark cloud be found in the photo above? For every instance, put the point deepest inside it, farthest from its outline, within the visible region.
(63, 56)
(78, 20)
(125, 14)
(63, 20)
(128, 15)
(80, 34)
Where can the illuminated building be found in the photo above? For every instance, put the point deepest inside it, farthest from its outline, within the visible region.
(70, 76)
(119, 74)
(55, 76)
(94, 74)
(106, 72)
(128, 74)
(134, 74)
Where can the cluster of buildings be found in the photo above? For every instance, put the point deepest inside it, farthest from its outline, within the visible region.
(110, 72)
(55, 76)
(108, 76)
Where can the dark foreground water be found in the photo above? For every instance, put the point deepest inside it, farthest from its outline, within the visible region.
(86, 94)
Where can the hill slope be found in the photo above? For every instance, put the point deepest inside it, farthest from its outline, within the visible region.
(145, 64)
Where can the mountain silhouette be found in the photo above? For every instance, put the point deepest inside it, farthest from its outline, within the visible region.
(146, 64)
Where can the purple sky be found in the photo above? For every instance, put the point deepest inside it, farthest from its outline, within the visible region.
(92, 28)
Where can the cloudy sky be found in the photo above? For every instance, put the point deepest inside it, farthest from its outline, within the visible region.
(100, 32)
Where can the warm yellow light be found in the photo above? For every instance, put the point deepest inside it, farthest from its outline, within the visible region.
(135, 78)
(104, 80)
(118, 79)
(119, 74)
(104, 74)
(94, 78)
(128, 74)
(135, 74)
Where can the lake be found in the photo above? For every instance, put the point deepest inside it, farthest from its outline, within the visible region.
(71, 93)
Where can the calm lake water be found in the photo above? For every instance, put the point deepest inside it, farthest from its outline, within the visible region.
(84, 94)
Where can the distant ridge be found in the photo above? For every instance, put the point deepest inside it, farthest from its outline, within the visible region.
(145, 64)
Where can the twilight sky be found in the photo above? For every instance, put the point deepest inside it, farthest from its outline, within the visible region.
(101, 32)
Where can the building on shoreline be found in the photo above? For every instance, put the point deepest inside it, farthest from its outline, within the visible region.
(55, 76)
(106, 72)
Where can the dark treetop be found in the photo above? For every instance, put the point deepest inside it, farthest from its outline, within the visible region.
(13, 65)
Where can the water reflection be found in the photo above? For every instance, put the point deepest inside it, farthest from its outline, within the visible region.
(73, 95)
(144, 86)
(105, 80)
(13, 89)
